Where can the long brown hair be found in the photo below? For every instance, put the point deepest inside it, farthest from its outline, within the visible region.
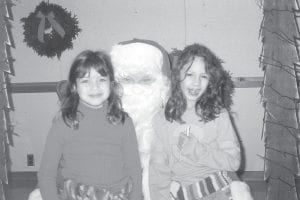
(218, 94)
(81, 65)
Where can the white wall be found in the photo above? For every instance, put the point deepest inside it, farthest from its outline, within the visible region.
(229, 27)
(31, 119)
(248, 115)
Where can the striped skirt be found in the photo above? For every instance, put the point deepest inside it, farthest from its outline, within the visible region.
(216, 184)
(72, 190)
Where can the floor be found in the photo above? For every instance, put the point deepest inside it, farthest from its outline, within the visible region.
(258, 189)
(20, 190)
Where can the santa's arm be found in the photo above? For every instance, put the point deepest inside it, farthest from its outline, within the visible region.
(159, 172)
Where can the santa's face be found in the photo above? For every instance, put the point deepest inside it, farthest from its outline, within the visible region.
(138, 68)
(142, 91)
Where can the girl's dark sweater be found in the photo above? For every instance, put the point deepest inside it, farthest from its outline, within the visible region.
(98, 153)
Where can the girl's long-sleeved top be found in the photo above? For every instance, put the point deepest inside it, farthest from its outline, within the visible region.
(211, 147)
(98, 153)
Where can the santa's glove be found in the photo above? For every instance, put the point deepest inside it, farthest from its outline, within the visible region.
(35, 195)
(174, 188)
(240, 191)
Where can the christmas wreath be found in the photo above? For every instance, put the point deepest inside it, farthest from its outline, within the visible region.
(50, 29)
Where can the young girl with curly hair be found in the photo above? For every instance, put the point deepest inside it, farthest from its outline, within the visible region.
(196, 152)
(94, 137)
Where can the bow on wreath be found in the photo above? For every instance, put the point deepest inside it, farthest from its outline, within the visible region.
(56, 26)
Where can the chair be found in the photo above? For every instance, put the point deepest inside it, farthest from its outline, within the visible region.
(61, 88)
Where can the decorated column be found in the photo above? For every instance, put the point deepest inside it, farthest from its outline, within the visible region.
(6, 43)
(280, 98)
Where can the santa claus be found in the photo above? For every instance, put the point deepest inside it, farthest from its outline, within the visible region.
(142, 67)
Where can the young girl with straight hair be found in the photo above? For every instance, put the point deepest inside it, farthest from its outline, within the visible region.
(94, 137)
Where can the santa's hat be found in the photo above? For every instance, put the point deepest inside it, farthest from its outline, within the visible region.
(140, 52)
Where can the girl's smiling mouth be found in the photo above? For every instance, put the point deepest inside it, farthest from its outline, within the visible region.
(194, 92)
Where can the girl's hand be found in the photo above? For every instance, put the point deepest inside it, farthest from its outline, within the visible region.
(191, 146)
(182, 140)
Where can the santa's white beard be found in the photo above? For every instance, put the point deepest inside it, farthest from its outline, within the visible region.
(142, 108)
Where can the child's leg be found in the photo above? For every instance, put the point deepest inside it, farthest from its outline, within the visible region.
(237, 190)
(219, 195)
(217, 186)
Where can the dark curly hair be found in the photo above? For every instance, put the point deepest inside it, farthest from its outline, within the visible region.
(218, 94)
(81, 65)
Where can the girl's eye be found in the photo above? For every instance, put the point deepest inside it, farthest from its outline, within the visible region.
(189, 74)
(102, 80)
(204, 76)
(84, 81)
